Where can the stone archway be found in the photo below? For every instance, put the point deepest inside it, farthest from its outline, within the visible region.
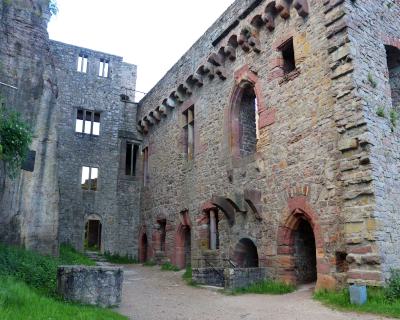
(299, 243)
(183, 249)
(143, 248)
(246, 254)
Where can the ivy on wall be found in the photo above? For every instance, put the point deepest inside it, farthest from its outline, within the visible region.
(15, 138)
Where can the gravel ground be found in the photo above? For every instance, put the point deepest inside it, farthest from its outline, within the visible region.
(151, 294)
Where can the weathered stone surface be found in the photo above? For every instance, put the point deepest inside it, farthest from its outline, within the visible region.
(101, 286)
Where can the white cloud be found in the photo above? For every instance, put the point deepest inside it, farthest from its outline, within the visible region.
(150, 34)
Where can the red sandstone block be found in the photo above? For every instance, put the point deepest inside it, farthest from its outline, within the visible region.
(360, 250)
(267, 118)
(374, 276)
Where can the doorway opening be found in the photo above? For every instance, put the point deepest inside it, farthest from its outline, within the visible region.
(305, 253)
(93, 235)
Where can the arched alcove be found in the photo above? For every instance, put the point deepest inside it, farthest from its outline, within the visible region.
(246, 254)
(393, 63)
(93, 233)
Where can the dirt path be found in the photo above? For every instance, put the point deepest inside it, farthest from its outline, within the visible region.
(150, 294)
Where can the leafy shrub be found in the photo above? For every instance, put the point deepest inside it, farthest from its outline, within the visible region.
(394, 116)
(167, 266)
(116, 258)
(37, 271)
(392, 291)
(15, 138)
(380, 112)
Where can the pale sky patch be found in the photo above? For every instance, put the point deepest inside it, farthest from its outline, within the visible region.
(151, 34)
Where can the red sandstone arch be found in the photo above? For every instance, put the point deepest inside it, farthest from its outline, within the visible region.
(299, 210)
(182, 233)
(244, 79)
(144, 246)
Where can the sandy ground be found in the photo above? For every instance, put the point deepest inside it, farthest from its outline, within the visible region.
(150, 294)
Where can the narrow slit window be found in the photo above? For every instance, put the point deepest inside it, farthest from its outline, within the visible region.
(103, 68)
(96, 124)
(189, 132)
(145, 166)
(79, 121)
(82, 63)
(289, 62)
(130, 160)
(393, 63)
(88, 122)
(89, 178)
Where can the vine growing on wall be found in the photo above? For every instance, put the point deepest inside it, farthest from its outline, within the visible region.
(15, 138)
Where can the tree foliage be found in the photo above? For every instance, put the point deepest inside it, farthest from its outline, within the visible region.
(53, 7)
(15, 138)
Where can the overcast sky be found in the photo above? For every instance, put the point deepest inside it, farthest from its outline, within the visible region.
(151, 34)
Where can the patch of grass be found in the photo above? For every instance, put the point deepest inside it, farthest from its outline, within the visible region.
(392, 291)
(70, 256)
(149, 264)
(116, 258)
(265, 287)
(37, 271)
(380, 112)
(394, 116)
(167, 266)
(372, 80)
(18, 301)
(377, 302)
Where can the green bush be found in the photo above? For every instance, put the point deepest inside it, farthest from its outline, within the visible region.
(392, 291)
(37, 271)
(187, 277)
(167, 266)
(116, 258)
(15, 138)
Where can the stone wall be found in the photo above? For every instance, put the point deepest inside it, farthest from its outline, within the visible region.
(29, 204)
(294, 172)
(209, 276)
(116, 201)
(101, 286)
(243, 277)
(372, 25)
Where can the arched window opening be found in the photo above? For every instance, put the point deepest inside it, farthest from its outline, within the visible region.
(393, 63)
(93, 235)
(248, 121)
(246, 255)
(305, 253)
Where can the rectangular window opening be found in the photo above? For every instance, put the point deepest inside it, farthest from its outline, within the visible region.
(289, 62)
(103, 68)
(130, 160)
(189, 132)
(89, 178)
(82, 63)
(87, 122)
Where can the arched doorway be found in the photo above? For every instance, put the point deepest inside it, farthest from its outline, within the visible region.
(246, 255)
(93, 231)
(299, 240)
(305, 261)
(183, 246)
(143, 248)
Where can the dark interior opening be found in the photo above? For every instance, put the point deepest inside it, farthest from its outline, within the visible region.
(393, 63)
(305, 253)
(188, 246)
(163, 233)
(143, 246)
(246, 255)
(289, 62)
(93, 235)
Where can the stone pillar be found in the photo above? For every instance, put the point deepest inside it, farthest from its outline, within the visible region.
(213, 230)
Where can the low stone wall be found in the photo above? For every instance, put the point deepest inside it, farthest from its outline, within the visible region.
(229, 278)
(209, 276)
(101, 286)
(243, 277)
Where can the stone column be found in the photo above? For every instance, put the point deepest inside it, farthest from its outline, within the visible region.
(213, 230)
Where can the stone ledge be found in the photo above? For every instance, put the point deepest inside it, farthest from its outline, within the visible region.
(101, 286)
